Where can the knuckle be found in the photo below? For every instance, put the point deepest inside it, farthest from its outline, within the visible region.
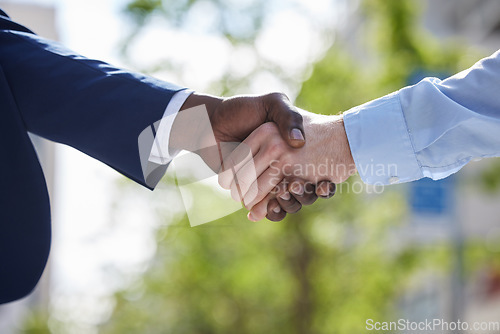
(225, 179)
(281, 187)
(277, 96)
(235, 195)
(250, 196)
(328, 189)
(268, 128)
(276, 217)
(259, 194)
(310, 188)
(286, 156)
(272, 217)
(338, 179)
(242, 185)
(309, 199)
(297, 118)
(276, 147)
(294, 208)
(296, 186)
(276, 190)
(260, 211)
(260, 191)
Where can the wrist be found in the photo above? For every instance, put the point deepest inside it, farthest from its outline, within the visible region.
(192, 128)
(342, 156)
(196, 99)
(327, 141)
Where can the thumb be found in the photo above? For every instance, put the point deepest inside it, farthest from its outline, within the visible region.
(287, 118)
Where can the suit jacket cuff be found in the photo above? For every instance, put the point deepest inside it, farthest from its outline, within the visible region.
(160, 152)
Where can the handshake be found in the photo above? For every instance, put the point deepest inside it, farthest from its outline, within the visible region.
(272, 156)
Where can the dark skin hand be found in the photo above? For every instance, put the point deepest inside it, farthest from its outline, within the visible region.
(292, 194)
(232, 120)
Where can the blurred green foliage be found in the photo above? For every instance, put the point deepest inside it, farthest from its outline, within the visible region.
(324, 270)
(391, 48)
(230, 15)
(320, 272)
(490, 178)
(238, 22)
(36, 323)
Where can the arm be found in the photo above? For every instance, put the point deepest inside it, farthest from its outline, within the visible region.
(84, 103)
(325, 156)
(431, 129)
(103, 111)
(214, 131)
(98, 109)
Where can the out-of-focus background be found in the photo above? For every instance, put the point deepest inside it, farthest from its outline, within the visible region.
(125, 260)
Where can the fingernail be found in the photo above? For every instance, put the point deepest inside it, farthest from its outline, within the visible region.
(323, 191)
(296, 134)
(286, 196)
(277, 209)
(327, 192)
(298, 189)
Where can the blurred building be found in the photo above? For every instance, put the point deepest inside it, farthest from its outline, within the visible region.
(476, 21)
(476, 215)
(40, 19)
(454, 209)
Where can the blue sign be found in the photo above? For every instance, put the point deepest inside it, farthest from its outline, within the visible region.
(432, 197)
(426, 195)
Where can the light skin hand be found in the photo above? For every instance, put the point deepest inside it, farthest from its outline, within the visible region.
(325, 156)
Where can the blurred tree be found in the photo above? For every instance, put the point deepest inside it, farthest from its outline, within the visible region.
(333, 265)
(490, 178)
(240, 23)
(36, 323)
(326, 269)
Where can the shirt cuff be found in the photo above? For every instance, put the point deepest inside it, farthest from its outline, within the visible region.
(160, 153)
(381, 143)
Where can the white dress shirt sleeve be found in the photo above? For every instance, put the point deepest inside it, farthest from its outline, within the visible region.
(160, 152)
(431, 129)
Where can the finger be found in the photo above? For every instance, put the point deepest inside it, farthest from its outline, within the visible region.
(286, 201)
(225, 149)
(289, 121)
(245, 152)
(260, 210)
(239, 157)
(325, 189)
(264, 185)
(274, 211)
(246, 177)
(303, 191)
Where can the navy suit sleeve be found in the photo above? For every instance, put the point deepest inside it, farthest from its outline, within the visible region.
(87, 104)
(53, 92)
